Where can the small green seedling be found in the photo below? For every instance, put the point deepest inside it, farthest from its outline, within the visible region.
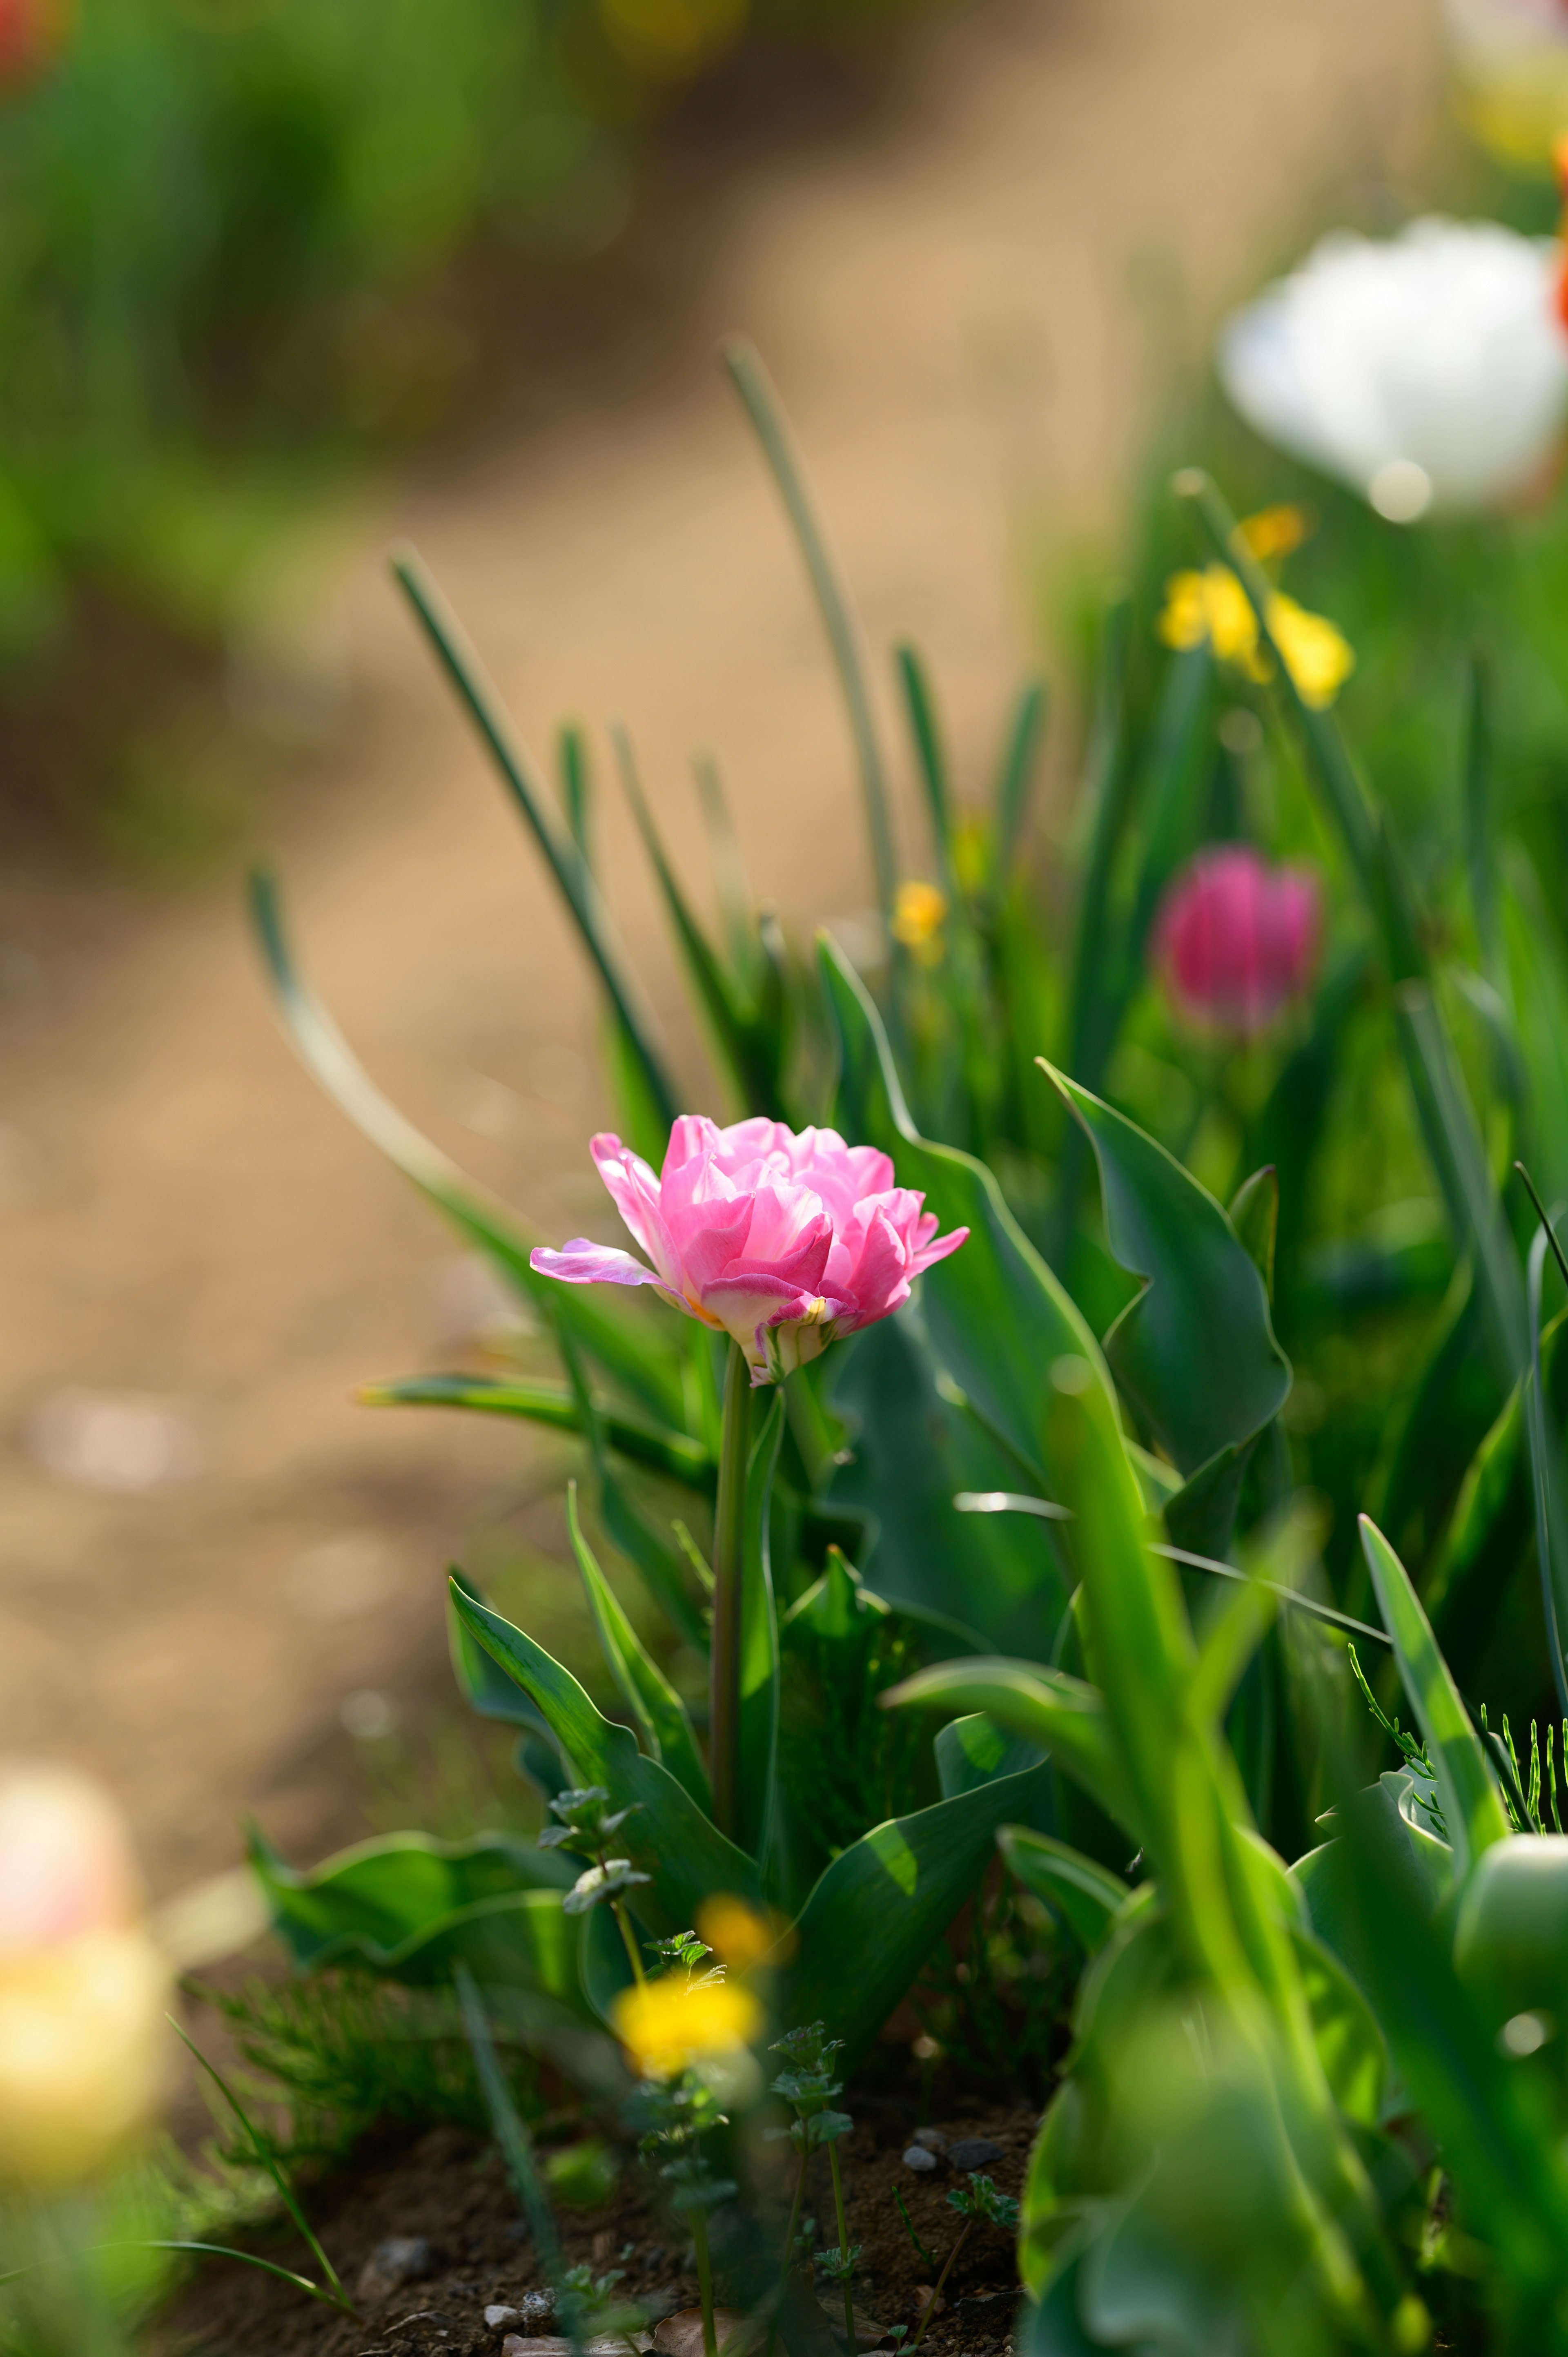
(588, 1825)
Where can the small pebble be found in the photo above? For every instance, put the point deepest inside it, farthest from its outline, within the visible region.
(975, 2152)
(538, 2308)
(401, 2259)
(933, 2139)
(918, 2156)
(498, 2317)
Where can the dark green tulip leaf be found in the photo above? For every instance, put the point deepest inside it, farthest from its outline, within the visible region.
(657, 1708)
(667, 1836)
(1088, 1896)
(1195, 1353)
(658, 1446)
(1255, 1216)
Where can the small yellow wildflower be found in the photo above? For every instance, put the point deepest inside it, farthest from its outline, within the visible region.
(1275, 532)
(920, 913)
(1211, 607)
(667, 2024)
(739, 1935)
(1318, 657)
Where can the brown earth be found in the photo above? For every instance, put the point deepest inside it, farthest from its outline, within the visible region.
(964, 267)
(448, 2188)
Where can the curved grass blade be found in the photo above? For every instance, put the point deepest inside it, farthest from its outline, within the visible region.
(574, 879)
(247, 2258)
(752, 1071)
(930, 757)
(1473, 1806)
(331, 1062)
(658, 1446)
(517, 2148)
(1546, 1462)
(766, 412)
(657, 1708)
(262, 2147)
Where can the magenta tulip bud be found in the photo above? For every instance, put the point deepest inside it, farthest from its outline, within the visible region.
(1236, 941)
(782, 1241)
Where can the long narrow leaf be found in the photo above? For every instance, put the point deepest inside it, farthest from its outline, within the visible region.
(1065, 1717)
(331, 1062)
(1472, 1803)
(1015, 774)
(766, 412)
(574, 879)
(930, 757)
(658, 1446)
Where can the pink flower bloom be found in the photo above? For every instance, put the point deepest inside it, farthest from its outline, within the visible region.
(1235, 941)
(785, 1242)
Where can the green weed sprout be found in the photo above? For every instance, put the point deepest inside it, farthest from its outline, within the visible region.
(588, 1826)
(806, 2084)
(982, 2201)
(674, 2115)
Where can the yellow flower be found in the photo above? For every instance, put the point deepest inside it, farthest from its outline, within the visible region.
(738, 1935)
(1275, 532)
(919, 911)
(1318, 657)
(667, 2024)
(1211, 607)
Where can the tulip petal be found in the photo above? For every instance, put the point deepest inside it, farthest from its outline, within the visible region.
(582, 1263)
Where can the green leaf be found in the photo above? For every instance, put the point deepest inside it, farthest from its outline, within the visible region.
(1472, 1803)
(1490, 2116)
(1255, 1216)
(885, 1901)
(1345, 2029)
(972, 1751)
(1065, 1717)
(758, 1719)
(1088, 1895)
(483, 1684)
(574, 879)
(931, 759)
(659, 1447)
(640, 1360)
(1204, 1303)
(657, 1708)
(997, 1318)
(668, 1836)
(409, 1906)
(913, 1448)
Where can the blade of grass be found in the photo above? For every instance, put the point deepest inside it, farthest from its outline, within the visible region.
(659, 1447)
(1472, 1803)
(517, 2149)
(749, 1066)
(919, 702)
(263, 2149)
(573, 877)
(1545, 1458)
(1015, 775)
(772, 427)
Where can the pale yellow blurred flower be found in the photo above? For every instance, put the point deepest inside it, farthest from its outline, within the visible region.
(667, 2024)
(82, 1985)
(1211, 607)
(920, 913)
(739, 1935)
(1275, 532)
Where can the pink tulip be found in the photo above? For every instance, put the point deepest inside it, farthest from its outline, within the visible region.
(784, 1242)
(1235, 941)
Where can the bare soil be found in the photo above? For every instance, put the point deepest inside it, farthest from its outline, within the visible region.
(448, 2188)
(972, 271)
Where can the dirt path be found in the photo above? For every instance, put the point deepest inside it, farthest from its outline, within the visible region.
(947, 298)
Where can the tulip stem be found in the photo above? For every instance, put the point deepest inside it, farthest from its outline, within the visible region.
(729, 1569)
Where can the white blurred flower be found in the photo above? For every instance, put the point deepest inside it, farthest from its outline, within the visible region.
(1428, 371)
(1512, 61)
(82, 1985)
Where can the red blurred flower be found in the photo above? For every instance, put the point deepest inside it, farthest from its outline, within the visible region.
(1236, 941)
(32, 34)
